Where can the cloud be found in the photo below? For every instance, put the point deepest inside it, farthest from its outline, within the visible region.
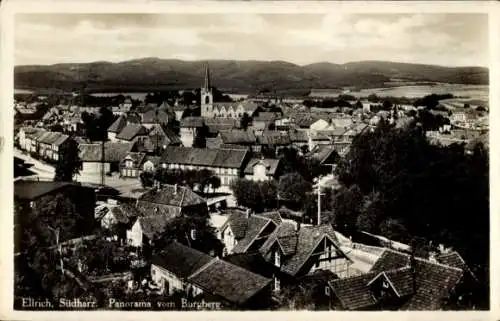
(299, 38)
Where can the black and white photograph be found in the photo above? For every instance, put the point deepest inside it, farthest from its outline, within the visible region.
(251, 161)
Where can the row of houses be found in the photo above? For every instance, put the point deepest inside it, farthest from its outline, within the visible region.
(46, 144)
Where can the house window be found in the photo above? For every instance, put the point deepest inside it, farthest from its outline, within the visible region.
(327, 290)
(277, 285)
(277, 259)
(129, 163)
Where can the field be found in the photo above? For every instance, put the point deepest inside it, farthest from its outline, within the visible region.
(469, 92)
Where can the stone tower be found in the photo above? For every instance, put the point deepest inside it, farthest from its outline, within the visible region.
(207, 98)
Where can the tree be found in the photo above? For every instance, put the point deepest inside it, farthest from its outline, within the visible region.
(259, 196)
(293, 187)
(147, 179)
(394, 230)
(194, 231)
(245, 121)
(346, 205)
(214, 182)
(69, 163)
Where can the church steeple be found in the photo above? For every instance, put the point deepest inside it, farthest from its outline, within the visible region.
(206, 85)
(207, 98)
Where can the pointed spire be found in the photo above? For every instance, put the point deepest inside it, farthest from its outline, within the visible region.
(206, 85)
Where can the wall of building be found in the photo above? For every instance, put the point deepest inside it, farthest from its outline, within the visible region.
(187, 136)
(94, 168)
(134, 235)
(167, 281)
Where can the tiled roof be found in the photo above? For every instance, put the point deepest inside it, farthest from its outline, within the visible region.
(153, 226)
(124, 212)
(217, 124)
(118, 125)
(253, 262)
(52, 138)
(229, 158)
(235, 136)
(231, 282)
(168, 195)
(191, 122)
(322, 152)
(113, 151)
(270, 138)
(274, 216)
(237, 221)
(434, 281)
(270, 164)
(452, 259)
(353, 292)
(254, 226)
(130, 131)
(180, 260)
(249, 107)
(31, 190)
(150, 117)
(297, 246)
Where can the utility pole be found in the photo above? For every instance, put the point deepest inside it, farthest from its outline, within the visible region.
(319, 200)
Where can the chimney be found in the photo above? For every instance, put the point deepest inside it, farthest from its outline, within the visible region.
(297, 227)
(175, 188)
(248, 213)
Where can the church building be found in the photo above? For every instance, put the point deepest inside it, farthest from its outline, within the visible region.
(210, 109)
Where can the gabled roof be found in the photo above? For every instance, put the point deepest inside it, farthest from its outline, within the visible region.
(434, 281)
(297, 246)
(270, 164)
(180, 260)
(229, 158)
(118, 124)
(113, 151)
(180, 196)
(130, 131)
(236, 136)
(228, 281)
(400, 280)
(247, 228)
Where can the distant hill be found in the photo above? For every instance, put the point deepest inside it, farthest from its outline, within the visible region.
(149, 74)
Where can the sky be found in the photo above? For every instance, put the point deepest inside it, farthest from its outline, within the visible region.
(441, 39)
